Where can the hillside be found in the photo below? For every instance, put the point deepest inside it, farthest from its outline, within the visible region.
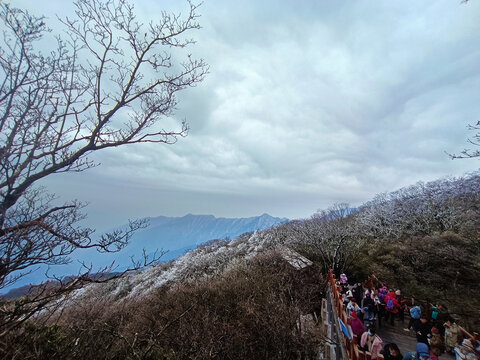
(174, 235)
(240, 298)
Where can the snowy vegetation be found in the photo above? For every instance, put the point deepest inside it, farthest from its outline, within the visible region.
(202, 263)
(239, 298)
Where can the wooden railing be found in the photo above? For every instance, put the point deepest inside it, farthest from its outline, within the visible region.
(353, 351)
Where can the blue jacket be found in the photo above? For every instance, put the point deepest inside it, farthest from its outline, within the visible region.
(422, 350)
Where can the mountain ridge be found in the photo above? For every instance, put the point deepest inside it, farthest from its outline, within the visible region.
(177, 232)
(175, 235)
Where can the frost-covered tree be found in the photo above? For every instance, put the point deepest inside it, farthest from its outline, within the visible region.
(335, 235)
(329, 234)
(421, 209)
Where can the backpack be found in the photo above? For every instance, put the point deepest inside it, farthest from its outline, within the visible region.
(390, 304)
(415, 312)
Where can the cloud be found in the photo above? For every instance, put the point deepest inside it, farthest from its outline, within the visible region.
(310, 103)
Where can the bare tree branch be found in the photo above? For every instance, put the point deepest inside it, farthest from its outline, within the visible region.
(108, 82)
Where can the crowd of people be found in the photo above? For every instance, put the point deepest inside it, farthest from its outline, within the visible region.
(370, 305)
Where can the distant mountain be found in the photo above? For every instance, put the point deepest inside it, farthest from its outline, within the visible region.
(178, 235)
(175, 233)
(17, 292)
(189, 231)
(27, 289)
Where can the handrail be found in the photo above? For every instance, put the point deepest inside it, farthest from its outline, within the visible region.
(353, 352)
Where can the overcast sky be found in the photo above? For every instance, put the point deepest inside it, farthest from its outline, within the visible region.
(307, 103)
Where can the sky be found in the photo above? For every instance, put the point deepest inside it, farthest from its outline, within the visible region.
(306, 104)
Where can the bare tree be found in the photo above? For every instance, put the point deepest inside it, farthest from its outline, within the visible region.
(108, 82)
(475, 141)
(330, 234)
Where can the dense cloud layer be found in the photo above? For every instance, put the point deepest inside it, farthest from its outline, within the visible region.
(306, 105)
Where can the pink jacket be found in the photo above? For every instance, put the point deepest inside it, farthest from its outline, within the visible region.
(375, 347)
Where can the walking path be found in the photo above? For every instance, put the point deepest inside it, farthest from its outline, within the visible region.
(406, 341)
(347, 345)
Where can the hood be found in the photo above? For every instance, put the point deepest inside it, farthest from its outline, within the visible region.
(422, 349)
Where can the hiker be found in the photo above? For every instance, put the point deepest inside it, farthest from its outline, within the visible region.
(336, 270)
(369, 284)
(423, 331)
(415, 314)
(391, 352)
(465, 351)
(391, 307)
(376, 308)
(353, 306)
(402, 306)
(348, 296)
(436, 340)
(371, 342)
(422, 353)
(451, 335)
(434, 312)
(382, 293)
(427, 311)
(358, 292)
(368, 307)
(354, 292)
(442, 317)
(357, 325)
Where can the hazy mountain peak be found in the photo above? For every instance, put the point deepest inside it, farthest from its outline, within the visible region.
(180, 234)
